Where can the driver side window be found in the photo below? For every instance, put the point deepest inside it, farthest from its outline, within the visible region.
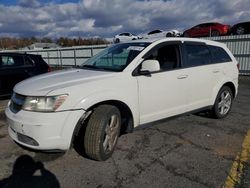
(168, 57)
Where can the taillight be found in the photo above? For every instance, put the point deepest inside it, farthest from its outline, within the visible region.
(226, 29)
(49, 68)
(238, 66)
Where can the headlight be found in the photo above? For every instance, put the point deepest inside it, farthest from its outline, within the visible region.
(44, 104)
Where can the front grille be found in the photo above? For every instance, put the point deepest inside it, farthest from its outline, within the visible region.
(16, 102)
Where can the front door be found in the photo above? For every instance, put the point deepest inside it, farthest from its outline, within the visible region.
(162, 94)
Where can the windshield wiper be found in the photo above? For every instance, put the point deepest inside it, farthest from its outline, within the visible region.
(97, 68)
(90, 67)
(93, 67)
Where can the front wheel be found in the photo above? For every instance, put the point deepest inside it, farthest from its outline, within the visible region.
(185, 34)
(223, 103)
(169, 35)
(102, 132)
(117, 40)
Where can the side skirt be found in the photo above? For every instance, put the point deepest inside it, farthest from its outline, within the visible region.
(146, 125)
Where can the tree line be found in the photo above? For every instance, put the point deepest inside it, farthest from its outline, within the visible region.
(17, 43)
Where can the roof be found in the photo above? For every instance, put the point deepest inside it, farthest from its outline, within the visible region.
(176, 39)
(17, 53)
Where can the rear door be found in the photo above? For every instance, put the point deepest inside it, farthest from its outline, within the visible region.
(195, 31)
(201, 30)
(124, 37)
(13, 69)
(207, 29)
(202, 75)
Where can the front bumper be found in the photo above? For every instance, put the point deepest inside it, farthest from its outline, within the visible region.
(43, 131)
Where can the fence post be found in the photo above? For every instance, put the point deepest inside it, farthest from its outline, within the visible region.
(58, 58)
(92, 53)
(61, 58)
(48, 57)
(75, 56)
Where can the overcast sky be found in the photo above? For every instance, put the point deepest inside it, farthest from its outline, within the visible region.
(105, 18)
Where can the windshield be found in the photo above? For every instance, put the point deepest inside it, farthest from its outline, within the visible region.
(115, 58)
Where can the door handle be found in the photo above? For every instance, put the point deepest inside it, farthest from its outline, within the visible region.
(182, 76)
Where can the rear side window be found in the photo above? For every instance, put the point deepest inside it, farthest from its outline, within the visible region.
(154, 32)
(197, 55)
(11, 61)
(7, 61)
(219, 55)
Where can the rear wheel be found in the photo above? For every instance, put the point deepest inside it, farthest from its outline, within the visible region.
(240, 31)
(223, 103)
(215, 33)
(102, 132)
(169, 35)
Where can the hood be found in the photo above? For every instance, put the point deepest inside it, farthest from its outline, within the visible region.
(43, 84)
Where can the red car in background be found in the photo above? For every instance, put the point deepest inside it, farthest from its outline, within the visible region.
(207, 29)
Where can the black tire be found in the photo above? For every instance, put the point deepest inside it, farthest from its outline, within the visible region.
(117, 40)
(223, 103)
(102, 132)
(185, 34)
(169, 35)
(215, 33)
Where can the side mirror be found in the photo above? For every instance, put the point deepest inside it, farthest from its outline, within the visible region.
(149, 66)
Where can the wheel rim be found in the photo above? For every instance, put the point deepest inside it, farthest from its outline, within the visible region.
(215, 33)
(111, 133)
(225, 101)
(240, 30)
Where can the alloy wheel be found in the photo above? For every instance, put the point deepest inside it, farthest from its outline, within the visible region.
(225, 102)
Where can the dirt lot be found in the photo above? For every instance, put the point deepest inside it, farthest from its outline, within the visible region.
(187, 151)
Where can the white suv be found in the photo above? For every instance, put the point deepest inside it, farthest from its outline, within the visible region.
(125, 85)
